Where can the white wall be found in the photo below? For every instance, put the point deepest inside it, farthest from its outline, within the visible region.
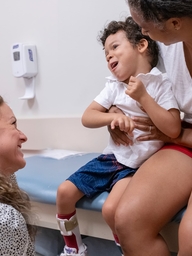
(71, 62)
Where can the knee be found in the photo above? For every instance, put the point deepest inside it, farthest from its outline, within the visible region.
(130, 219)
(123, 219)
(185, 234)
(124, 228)
(108, 212)
(63, 194)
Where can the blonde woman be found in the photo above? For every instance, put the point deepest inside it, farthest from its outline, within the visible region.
(16, 236)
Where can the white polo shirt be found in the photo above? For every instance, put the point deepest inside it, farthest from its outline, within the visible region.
(159, 87)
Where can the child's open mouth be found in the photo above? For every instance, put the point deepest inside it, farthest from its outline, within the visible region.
(114, 64)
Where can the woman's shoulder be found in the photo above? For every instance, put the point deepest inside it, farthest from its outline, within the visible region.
(11, 220)
(169, 54)
(15, 239)
(10, 214)
(177, 47)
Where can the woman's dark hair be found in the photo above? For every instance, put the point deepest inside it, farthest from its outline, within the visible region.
(133, 34)
(159, 11)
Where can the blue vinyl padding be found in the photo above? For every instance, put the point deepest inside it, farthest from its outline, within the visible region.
(41, 177)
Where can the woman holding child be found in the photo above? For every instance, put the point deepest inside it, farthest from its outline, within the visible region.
(163, 184)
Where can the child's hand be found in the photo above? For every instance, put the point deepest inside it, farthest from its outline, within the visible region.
(136, 89)
(124, 123)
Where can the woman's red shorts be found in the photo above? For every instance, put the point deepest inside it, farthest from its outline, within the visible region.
(185, 150)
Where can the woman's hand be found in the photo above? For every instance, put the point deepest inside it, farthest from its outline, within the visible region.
(119, 137)
(142, 123)
(146, 125)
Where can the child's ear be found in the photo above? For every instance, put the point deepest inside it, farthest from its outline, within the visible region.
(142, 45)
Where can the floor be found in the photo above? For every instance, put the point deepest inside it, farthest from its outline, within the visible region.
(37, 254)
(50, 243)
(98, 247)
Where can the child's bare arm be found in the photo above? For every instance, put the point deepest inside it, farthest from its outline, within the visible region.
(96, 116)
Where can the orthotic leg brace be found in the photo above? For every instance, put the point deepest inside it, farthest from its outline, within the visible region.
(70, 227)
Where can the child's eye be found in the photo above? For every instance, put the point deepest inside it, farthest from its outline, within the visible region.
(14, 123)
(115, 46)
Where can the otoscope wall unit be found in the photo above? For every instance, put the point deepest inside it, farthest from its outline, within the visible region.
(24, 64)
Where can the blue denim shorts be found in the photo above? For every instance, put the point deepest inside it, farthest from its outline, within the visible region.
(100, 174)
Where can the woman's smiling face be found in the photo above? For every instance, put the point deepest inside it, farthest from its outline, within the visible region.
(162, 32)
(11, 139)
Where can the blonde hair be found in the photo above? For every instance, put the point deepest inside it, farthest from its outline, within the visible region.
(12, 195)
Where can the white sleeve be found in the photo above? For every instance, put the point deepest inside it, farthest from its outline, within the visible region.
(107, 96)
(14, 239)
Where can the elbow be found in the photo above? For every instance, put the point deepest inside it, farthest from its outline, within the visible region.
(175, 133)
(86, 122)
(83, 121)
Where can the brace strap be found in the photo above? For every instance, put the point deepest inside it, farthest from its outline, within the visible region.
(71, 224)
(66, 226)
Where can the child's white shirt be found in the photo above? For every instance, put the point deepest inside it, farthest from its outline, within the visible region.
(159, 87)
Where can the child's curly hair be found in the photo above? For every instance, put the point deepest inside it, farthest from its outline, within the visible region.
(134, 35)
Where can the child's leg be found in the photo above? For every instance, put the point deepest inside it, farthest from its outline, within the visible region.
(67, 196)
(111, 204)
(185, 232)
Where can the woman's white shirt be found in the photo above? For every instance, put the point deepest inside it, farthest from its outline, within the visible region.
(174, 62)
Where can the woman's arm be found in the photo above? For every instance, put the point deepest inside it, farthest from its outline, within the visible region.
(184, 139)
(143, 124)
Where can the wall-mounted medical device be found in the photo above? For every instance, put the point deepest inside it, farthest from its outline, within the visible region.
(24, 64)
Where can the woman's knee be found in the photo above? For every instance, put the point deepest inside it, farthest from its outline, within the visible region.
(185, 234)
(125, 218)
(134, 220)
(108, 212)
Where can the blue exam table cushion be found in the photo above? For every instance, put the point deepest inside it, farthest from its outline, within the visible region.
(41, 177)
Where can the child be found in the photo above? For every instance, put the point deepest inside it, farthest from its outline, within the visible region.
(138, 88)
